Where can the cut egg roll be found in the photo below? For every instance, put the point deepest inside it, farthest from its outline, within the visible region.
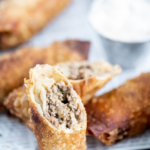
(88, 77)
(14, 66)
(122, 112)
(20, 20)
(57, 114)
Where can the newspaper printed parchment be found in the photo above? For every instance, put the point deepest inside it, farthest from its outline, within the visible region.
(72, 24)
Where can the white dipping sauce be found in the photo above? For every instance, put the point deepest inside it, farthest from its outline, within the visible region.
(122, 20)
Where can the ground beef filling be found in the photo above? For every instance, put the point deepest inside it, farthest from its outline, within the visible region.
(62, 108)
(81, 72)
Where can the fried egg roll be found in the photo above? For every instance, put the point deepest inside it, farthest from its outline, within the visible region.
(14, 67)
(57, 114)
(20, 20)
(122, 112)
(88, 77)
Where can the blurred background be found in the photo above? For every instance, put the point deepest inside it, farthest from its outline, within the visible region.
(71, 23)
(109, 33)
(117, 30)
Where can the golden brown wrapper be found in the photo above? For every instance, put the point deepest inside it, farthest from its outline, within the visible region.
(122, 112)
(48, 136)
(87, 87)
(20, 20)
(14, 66)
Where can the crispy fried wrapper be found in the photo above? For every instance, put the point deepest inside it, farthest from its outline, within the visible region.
(14, 67)
(20, 20)
(57, 114)
(87, 77)
(121, 113)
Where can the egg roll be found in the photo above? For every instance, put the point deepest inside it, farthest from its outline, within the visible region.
(88, 77)
(20, 20)
(14, 66)
(57, 114)
(122, 112)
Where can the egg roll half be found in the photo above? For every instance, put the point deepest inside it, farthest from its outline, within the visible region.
(14, 67)
(57, 114)
(20, 20)
(122, 112)
(88, 77)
